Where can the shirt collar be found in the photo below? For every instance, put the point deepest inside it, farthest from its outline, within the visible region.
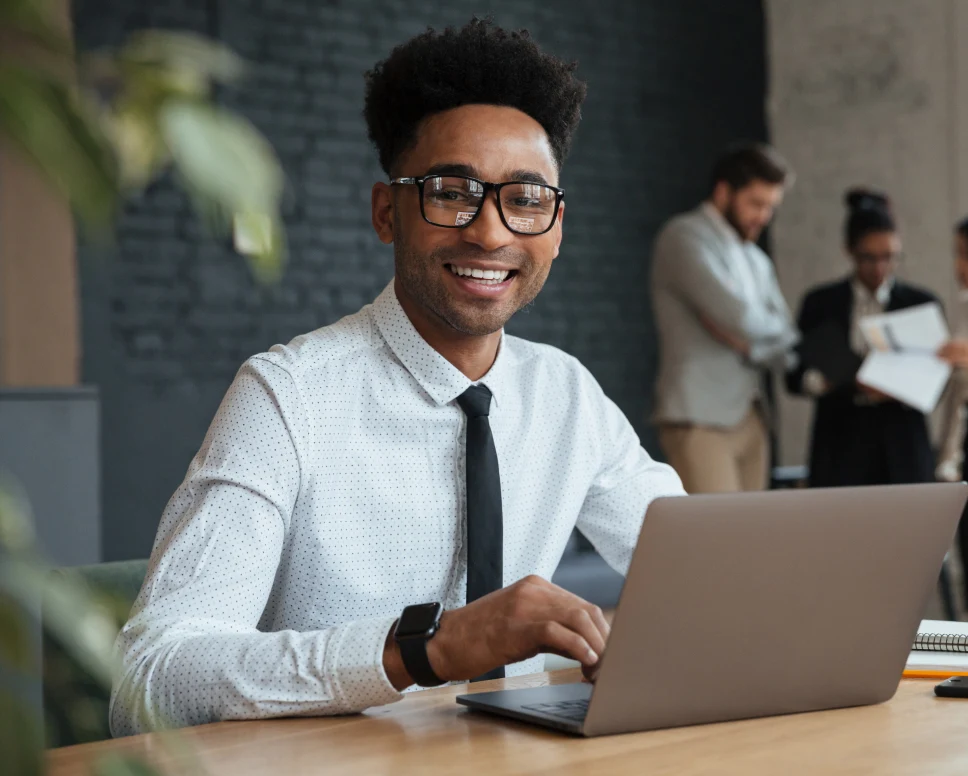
(721, 225)
(435, 374)
(882, 295)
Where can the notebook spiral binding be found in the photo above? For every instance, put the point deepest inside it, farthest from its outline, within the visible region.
(941, 642)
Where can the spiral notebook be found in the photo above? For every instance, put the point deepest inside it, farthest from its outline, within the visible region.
(940, 647)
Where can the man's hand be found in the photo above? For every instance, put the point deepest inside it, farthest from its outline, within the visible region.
(955, 352)
(527, 618)
(727, 338)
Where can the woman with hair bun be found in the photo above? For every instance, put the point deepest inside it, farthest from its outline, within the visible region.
(860, 436)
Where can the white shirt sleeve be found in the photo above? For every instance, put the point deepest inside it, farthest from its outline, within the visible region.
(191, 651)
(775, 350)
(627, 481)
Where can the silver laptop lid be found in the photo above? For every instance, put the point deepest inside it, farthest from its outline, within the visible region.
(755, 604)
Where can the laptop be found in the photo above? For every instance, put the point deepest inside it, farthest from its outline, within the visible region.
(756, 604)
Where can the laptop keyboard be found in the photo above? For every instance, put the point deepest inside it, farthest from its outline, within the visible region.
(574, 710)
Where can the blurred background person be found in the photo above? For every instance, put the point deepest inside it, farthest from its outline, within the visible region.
(951, 453)
(859, 436)
(721, 319)
(952, 448)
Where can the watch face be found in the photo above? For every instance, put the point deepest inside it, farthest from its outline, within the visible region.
(419, 621)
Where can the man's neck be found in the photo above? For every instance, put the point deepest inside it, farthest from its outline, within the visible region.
(472, 355)
(721, 221)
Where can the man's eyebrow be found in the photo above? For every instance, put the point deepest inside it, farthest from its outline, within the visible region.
(452, 168)
(455, 168)
(528, 176)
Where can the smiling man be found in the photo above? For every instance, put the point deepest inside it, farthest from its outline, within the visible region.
(379, 503)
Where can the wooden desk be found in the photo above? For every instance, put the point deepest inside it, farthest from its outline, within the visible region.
(427, 733)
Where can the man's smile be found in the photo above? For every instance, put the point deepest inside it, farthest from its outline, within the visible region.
(481, 280)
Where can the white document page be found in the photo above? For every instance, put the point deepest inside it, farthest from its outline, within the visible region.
(902, 362)
(922, 328)
(916, 379)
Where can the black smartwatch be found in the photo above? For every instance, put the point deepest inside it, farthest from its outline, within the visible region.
(416, 626)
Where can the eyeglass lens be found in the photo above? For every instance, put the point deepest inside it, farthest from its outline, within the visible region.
(454, 201)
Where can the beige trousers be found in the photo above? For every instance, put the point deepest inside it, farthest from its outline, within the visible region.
(719, 460)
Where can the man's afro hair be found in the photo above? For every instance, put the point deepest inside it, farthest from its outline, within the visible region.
(478, 64)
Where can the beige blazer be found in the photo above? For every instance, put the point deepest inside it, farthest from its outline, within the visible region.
(698, 270)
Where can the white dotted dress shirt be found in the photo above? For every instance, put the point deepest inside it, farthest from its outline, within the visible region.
(329, 494)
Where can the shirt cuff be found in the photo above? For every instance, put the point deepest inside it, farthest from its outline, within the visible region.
(356, 665)
(814, 383)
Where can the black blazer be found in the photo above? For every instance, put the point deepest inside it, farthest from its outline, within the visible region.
(861, 445)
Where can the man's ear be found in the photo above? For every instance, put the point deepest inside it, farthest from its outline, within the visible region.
(722, 193)
(382, 212)
(558, 229)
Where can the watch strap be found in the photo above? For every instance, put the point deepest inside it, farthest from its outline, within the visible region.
(415, 660)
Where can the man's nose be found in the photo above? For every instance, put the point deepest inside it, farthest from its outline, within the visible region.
(488, 231)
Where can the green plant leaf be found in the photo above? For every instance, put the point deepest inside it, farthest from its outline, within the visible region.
(222, 156)
(47, 121)
(16, 529)
(183, 53)
(71, 613)
(138, 143)
(261, 238)
(229, 169)
(16, 642)
(21, 744)
(30, 21)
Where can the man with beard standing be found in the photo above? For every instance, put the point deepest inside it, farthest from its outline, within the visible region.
(721, 319)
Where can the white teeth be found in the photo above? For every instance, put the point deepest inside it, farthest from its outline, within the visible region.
(488, 277)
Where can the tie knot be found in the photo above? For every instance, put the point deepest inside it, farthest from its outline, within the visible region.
(476, 401)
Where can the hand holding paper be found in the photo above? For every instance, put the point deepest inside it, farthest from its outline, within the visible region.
(955, 352)
(904, 362)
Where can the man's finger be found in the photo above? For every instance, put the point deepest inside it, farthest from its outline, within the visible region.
(580, 621)
(598, 617)
(550, 636)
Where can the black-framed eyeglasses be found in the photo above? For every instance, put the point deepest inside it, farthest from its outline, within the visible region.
(455, 201)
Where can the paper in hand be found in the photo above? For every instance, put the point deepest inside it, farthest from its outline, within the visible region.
(902, 362)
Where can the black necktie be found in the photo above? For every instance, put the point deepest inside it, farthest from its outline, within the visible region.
(485, 534)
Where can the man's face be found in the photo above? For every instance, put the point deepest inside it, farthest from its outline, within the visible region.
(494, 144)
(750, 209)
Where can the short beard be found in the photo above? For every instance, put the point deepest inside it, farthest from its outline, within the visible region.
(418, 275)
(733, 221)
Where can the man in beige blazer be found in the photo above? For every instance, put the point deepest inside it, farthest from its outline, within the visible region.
(721, 320)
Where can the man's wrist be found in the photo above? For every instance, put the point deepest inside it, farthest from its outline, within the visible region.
(393, 665)
(437, 650)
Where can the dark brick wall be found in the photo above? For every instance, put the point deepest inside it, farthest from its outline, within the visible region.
(170, 314)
